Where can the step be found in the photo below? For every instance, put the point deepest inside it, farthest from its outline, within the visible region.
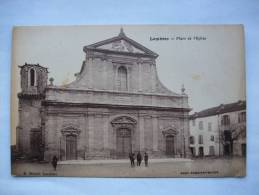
(112, 161)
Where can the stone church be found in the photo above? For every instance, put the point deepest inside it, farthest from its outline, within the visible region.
(116, 105)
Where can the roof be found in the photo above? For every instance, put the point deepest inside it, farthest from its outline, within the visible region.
(26, 64)
(221, 109)
(121, 36)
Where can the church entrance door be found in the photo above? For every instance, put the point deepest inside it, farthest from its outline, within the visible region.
(123, 142)
(71, 146)
(170, 145)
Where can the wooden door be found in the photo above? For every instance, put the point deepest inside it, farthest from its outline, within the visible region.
(35, 140)
(201, 152)
(170, 145)
(123, 143)
(71, 147)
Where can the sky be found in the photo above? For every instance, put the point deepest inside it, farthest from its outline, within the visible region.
(208, 60)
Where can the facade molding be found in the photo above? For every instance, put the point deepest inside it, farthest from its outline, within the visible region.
(114, 106)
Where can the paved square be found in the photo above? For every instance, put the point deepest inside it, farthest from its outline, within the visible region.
(122, 168)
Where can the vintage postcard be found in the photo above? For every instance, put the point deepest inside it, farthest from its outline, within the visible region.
(129, 101)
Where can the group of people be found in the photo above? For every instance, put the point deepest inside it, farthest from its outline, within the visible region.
(139, 159)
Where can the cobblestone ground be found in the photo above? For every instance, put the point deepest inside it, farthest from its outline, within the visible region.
(195, 168)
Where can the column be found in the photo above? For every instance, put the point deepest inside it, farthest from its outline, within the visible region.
(116, 78)
(86, 135)
(141, 133)
(153, 76)
(104, 75)
(139, 77)
(155, 133)
(128, 79)
(105, 133)
(187, 135)
(90, 72)
(49, 137)
(91, 132)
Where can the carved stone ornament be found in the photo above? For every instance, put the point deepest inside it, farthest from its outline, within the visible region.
(122, 45)
(118, 46)
(170, 130)
(123, 122)
(70, 129)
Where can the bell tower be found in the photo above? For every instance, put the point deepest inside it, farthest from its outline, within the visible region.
(29, 130)
(33, 79)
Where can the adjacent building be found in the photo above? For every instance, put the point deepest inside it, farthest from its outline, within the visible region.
(115, 106)
(219, 131)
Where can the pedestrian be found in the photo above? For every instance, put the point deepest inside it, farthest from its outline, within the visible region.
(54, 162)
(146, 159)
(139, 159)
(131, 157)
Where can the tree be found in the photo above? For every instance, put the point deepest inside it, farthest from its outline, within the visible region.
(229, 136)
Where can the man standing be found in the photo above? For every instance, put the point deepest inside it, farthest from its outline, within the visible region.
(139, 159)
(132, 159)
(54, 162)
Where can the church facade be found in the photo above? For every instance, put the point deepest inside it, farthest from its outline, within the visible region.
(115, 106)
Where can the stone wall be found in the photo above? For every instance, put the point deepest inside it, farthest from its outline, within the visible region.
(118, 98)
(29, 119)
(97, 137)
(100, 72)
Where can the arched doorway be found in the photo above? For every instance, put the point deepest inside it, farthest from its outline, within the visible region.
(170, 139)
(123, 131)
(124, 146)
(68, 142)
(71, 147)
(170, 145)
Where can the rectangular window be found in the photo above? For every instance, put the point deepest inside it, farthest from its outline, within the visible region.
(212, 138)
(225, 120)
(200, 139)
(241, 117)
(201, 125)
(122, 78)
(193, 122)
(192, 140)
(209, 126)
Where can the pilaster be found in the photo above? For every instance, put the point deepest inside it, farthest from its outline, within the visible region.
(155, 133)
(141, 133)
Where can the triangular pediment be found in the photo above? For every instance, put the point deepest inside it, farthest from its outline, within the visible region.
(121, 43)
